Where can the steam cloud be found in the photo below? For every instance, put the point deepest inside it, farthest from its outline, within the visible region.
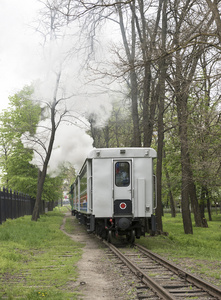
(72, 145)
(80, 99)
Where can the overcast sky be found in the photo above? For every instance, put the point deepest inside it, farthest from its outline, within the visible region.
(19, 46)
(21, 63)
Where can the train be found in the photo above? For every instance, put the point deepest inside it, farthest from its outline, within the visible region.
(114, 193)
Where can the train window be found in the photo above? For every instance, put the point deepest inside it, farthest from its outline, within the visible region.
(122, 174)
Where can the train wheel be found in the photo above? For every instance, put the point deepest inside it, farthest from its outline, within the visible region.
(131, 237)
(96, 230)
(109, 236)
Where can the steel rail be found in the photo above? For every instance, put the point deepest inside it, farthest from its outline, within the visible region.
(209, 288)
(159, 290)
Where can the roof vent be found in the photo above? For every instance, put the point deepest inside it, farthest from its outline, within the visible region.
(122, 151)
(147, 153)
(98, 153)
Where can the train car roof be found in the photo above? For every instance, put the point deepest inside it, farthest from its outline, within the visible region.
(121, 153)
(97, 153)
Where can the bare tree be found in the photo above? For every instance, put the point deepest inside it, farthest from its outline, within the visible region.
(214, 7)
(53, 27)
(161, 104)
(133, 83)
(54, 126)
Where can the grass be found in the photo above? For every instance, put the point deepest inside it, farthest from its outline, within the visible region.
(200, 252)
(203, 243)
(37, 260)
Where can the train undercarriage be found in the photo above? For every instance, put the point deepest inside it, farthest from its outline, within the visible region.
(109, 228)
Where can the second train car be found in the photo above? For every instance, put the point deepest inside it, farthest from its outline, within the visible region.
(114, 192)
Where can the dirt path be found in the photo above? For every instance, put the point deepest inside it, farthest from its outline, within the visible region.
(99, 278)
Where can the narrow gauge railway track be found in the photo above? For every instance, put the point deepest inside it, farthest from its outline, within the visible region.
(163, 278)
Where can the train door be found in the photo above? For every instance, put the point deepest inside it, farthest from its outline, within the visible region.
(122, 187)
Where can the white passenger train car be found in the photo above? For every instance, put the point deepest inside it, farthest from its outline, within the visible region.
(114, 193)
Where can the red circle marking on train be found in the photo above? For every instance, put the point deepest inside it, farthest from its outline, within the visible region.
(123, 205)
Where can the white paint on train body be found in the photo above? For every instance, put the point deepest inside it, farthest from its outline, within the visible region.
(115, 191)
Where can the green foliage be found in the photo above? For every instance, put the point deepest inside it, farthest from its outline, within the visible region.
(38, 257)
(21, 116)
(53, 188)
(18, 174)
(171, 164)
(204, 137)
(21, 175)
(68, 173)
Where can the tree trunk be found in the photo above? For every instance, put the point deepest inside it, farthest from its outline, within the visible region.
(188, 186)
(106, 133)
(35, 213)
(160, 143)
(181, 86)
(162, 81)
(182, 119)
(42, 174)
(202, 205)
(213, 6)
(148, 47)
(132, 73)
(135, 116)
(172, 204)
(147, 133)
(208, 204)
(194, 201)
(159, 209)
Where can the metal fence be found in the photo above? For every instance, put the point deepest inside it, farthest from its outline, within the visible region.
(14, 205)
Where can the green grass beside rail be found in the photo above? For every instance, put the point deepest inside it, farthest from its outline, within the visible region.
(37, 260)
(199, 252)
